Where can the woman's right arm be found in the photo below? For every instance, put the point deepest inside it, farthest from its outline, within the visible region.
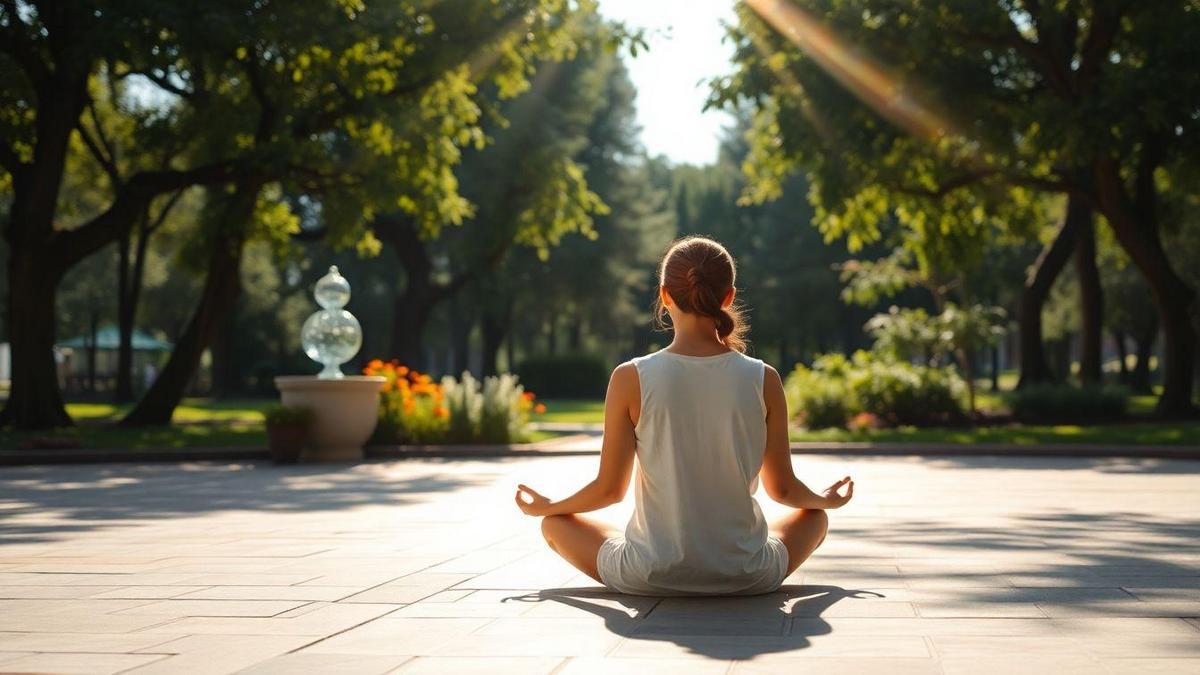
(778, 477)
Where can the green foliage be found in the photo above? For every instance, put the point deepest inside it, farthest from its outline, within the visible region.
(819, 397)
(912, 334)
(787, 277)
(566, 376)
(282, 415)
(1060, 403)
(836, 389)
(901, 393)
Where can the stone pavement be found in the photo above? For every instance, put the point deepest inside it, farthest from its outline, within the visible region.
(943, 565)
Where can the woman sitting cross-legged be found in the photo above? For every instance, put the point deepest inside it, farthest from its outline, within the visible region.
(705, 422)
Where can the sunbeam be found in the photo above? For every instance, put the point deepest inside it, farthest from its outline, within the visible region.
(866, 79)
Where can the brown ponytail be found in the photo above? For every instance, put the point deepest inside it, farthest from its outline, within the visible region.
(697, 272)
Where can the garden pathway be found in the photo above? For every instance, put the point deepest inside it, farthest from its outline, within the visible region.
(940, 565)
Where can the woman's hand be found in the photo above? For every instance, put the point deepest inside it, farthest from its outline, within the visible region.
(537, 504)
(835, 499)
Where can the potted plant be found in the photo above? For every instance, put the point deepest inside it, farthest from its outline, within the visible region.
(287, 431)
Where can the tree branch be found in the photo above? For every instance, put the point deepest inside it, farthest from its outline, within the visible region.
(151, 227)
(71, 246)
(163, 83)
(1035, 52)
(1105, 20)
(105, 159)
(947, 187)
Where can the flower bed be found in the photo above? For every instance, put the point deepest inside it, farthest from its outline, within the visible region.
(413, 409)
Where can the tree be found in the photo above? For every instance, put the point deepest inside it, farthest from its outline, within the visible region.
(1046, 97)
(49, 55)
(360, 116)
(247, 93)
(596, 284)
(527, 188)
(955, 331)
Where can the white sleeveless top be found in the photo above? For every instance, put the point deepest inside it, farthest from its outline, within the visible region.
(696, 527)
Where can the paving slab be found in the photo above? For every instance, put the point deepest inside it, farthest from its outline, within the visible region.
(985, 564)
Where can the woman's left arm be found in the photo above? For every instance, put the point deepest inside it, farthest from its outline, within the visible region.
(616, 454)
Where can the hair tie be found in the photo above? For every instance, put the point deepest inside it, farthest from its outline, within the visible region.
(695, 276)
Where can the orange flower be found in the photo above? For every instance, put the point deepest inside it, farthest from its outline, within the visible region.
(375, 364)
(439, 411)
(539, 408)
(402, 371)
(528, 396)
(387, 386)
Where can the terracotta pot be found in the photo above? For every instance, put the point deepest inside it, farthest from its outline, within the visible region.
(286, 442)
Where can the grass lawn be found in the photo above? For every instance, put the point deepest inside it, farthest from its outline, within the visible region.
(1147, 433)
(572, 411)
(1133, 433)
(215, 435)
(191, 410)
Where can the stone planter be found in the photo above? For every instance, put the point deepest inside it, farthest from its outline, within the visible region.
(345, 411)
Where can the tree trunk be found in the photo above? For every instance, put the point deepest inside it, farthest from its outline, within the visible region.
(34, 271)
(217, 299)
(494, 328)
(460, 338)
(93, 324)
(1135, 225)
(510, 354)
(1122, 357)
(1091, 298)
(124, 390)
(575, 336)
(1139, 379)
(410, 316)
(224, 353)
(35, 400)
(222, 284)
(995, 350)
(1038, 282)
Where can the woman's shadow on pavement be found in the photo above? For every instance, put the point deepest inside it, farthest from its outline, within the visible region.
(723, 627)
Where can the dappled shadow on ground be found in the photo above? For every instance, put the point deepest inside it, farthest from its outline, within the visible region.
(38, 503)
(1117, 465)
(725, 627)
(1066, 563)
(1002, 462)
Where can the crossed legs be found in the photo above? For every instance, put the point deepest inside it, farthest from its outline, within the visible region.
(802, 531)
(577, 539)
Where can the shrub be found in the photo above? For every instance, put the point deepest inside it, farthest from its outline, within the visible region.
(286, 415)
(1059, 403)
(901, 393)
(494, 411)
(817, 399)
(566, 376)
(868, 388)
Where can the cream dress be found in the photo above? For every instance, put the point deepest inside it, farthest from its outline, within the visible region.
(696, 527)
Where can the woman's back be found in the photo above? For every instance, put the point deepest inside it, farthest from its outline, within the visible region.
(701, 434)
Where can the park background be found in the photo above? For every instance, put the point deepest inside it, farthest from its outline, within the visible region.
(956, 221)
